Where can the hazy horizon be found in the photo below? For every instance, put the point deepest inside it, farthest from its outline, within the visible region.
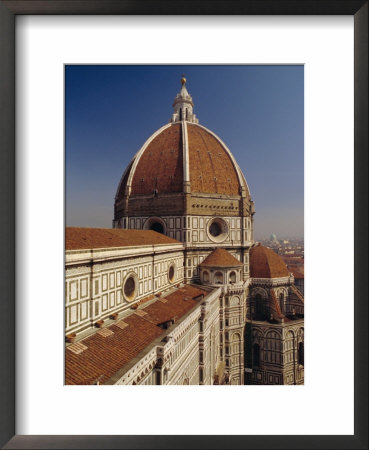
(258, 111)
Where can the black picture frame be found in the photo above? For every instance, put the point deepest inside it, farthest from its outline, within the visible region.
(8, 11)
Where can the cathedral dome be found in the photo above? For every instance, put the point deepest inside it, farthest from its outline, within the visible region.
(183, 152)
(265, 263)
(180, 166)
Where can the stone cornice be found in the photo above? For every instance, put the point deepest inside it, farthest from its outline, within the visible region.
(107, 254)
(263, 323)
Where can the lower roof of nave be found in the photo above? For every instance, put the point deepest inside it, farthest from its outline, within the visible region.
(100, 355)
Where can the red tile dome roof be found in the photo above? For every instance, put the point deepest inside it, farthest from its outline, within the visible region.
(180, 152)
(161, 164)
(211, 167)
(220, 258)
(265, 263)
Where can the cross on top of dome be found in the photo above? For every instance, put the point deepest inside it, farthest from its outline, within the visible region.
(183, 105)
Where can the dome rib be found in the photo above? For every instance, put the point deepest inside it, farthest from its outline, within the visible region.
(126, 179)
(123, 181)
(220, 166)
(160, 167)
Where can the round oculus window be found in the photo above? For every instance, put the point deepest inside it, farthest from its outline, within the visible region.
(171, 273)
(129, 288)
(217, 229)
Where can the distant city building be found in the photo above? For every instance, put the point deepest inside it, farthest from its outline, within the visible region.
(273, 238)
(177, 292)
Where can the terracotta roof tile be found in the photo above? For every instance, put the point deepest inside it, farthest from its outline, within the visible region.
(211, 168)
(220, 258)
(297, 271)
(104, 356)
(177, 304)
(100, 356)
(161, 164)
(265, 263)
(92, 238)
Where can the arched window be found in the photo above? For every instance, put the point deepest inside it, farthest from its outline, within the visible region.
(236, 341)
(256, 355)
(290, 351)
(218, 277)
(232, 277)
(281, 302)
(261, 308)
(272, 347)
(301, 353)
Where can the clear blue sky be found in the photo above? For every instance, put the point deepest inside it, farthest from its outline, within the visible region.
(258, 111)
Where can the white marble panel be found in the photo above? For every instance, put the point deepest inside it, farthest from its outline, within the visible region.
(73, 288)
(104, 302)
(73, 311)
(111, 280)
(84, 310)
(104, 282)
